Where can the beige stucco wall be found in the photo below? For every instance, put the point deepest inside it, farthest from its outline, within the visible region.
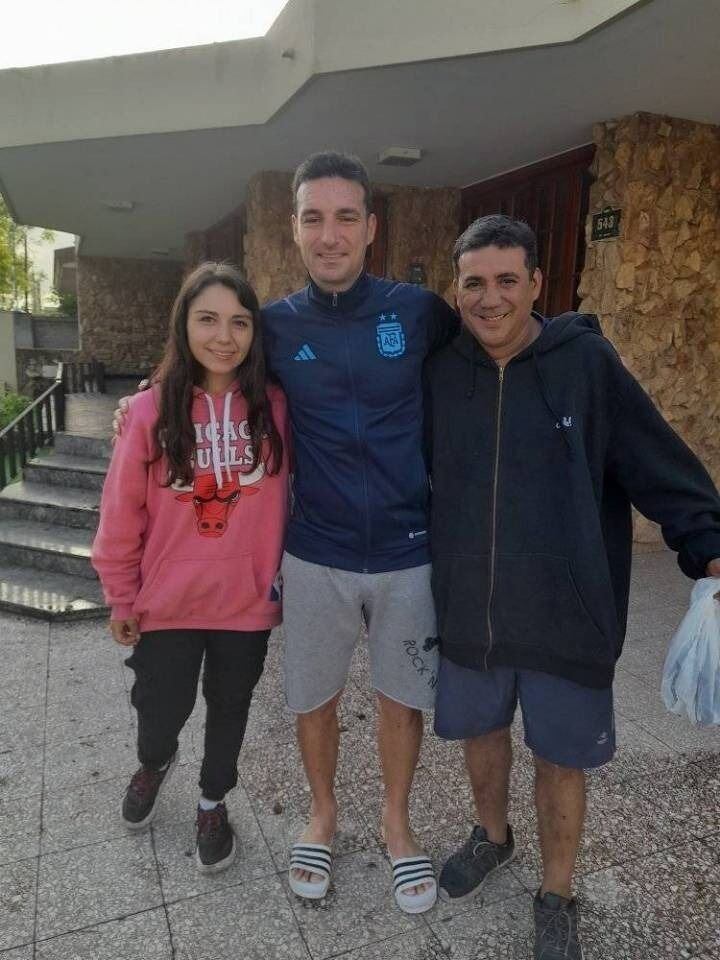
(657, 287)
(123, 310)
(197, 87)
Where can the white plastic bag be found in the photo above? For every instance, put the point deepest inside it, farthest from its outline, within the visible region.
(691, 677)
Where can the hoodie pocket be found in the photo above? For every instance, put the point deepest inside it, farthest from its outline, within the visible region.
(189, 588)
(537, 603)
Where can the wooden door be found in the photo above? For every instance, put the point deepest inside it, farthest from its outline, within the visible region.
(376, 256)
(552, 197)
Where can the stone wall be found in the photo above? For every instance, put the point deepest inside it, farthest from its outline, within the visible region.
(272, 262)
(423, 224)
(657, 287)
(124, 307)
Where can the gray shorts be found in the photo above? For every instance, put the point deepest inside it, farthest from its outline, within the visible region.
(322, 622)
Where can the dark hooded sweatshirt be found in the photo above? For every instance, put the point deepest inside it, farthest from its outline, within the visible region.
(534, 469)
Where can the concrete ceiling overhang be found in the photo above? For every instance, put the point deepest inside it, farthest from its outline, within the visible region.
(473, 114)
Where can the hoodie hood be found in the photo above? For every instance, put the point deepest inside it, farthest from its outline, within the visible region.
(555, 332)
(563, 328)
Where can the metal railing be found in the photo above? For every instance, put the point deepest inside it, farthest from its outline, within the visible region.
(86, 376)
(37, 425)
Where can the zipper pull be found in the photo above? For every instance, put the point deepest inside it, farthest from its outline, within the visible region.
(334, 299)
(501, 374)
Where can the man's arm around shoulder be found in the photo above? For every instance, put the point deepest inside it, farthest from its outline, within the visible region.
(444, 324)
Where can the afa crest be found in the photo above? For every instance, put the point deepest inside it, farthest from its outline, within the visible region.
(390, 336)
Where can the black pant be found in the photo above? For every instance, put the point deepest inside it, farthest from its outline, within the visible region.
(167, 667)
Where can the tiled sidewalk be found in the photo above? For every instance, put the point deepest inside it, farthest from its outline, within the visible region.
(74, 884)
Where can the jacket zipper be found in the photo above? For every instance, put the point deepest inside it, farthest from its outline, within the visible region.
(361, 444)
(501, 374)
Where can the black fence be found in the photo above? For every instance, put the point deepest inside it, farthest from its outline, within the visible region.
(37, 425)
(83, 377)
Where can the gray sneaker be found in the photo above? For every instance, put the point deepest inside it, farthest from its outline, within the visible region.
(556, 928)
(468, 868)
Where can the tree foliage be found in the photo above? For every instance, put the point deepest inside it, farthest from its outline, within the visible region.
(18, 278)
(6, 253)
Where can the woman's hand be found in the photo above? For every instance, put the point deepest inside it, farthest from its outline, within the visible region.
(125, 632)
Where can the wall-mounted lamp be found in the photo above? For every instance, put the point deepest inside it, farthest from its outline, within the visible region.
(416, 273)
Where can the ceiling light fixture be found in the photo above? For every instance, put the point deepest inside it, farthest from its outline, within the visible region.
(120, 206)
(400, 156)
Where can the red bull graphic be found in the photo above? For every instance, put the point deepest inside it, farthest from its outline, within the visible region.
(213, 504)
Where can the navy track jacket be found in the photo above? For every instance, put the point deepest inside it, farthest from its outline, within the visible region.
(351, 367)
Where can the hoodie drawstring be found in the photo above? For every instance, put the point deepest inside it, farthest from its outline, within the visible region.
(226, 434)
(217, 468)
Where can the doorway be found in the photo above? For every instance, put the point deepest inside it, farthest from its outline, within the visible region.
(552, 197)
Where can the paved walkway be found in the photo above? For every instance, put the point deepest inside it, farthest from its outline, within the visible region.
(74, 884)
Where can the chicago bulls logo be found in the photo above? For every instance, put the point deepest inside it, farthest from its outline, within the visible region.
(213, 504)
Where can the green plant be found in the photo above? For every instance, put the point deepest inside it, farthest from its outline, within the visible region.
(11, 406)
(67, 302)
(19, 280)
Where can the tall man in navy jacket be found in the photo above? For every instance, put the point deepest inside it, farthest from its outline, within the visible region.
(349, 350)
(541, 440)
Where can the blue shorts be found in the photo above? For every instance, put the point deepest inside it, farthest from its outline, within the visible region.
(565, 723)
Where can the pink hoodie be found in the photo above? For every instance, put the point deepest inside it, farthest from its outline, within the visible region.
(202, 557)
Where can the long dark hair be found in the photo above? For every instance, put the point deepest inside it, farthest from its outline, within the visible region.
(178, 372)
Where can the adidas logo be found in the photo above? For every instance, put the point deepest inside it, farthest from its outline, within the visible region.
(305, 353)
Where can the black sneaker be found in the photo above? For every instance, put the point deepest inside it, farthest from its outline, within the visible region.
(466, 871)
(215, 840)
(556, 928)
(141, 797)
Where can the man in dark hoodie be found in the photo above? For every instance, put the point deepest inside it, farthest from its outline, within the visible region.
(540, 441)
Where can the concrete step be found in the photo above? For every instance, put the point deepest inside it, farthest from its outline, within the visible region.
(66, 470)
(47, 546)
(50, 596)
(73, 445)
(50, 503)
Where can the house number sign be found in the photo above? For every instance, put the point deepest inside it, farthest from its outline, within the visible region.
(606, 224)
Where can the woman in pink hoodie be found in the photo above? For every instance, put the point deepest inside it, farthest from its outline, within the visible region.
(188, 549)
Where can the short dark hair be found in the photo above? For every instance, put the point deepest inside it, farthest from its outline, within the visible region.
(329, 163)
(497, 230)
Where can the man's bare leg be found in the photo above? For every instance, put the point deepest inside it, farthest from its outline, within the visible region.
(400, 731)
(488, 760)
(560, 801)
(318, 737)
